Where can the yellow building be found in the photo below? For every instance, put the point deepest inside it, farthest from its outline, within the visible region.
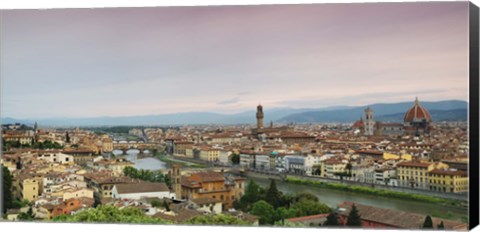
(214, 186)
(390, 156)
(450, 181)
(29, 188)
(78, 193)
(416, 174)
(107, 145)
(333, 166)
(210, 154)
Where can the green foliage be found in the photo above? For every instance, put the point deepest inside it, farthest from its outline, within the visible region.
(283, 213)
(47, 144)
(373, 191)
(147, 175)
(273, 196)
(252, 195)
(110, 214)
(217, 219)
(264, 211)
(156, 203)
(308, 207)
(271, 205)
(428, 223)
(16, 204)
(7, 189)
(332, 220)
(353, 219)
(235, 158)
(28, 216)
(166, 205)
(306, 196)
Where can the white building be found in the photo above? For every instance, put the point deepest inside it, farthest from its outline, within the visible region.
(56, 157)
(224, 157)
(262, 162)
(140, 190)
(247, 160)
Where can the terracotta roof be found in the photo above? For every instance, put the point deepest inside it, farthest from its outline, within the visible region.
(359, 124)
(141, 188)
(205, 200)
(206, 177)
(448, 172)
(417, 113)
(414, 164)
(299, 219)
(396, 218)
(181, 216)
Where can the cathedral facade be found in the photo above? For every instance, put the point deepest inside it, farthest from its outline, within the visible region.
(416, 121)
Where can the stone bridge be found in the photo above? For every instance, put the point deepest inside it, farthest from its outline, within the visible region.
(139, 145)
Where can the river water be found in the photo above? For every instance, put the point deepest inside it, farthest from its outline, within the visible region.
(147, 163)
(333, 197)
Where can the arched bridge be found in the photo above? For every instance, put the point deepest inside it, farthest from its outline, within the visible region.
(139, 145)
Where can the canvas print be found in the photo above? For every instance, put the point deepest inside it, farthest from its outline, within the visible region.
(302, 115)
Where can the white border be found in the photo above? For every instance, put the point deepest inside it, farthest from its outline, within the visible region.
(55, 4)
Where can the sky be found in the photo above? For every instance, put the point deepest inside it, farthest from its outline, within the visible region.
(228, 59)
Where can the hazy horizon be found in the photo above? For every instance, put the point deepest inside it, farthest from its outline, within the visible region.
(79, 63)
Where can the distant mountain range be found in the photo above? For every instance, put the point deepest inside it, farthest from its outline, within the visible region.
(386, 112)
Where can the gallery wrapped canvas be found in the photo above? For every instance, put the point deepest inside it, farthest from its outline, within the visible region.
(327, 116)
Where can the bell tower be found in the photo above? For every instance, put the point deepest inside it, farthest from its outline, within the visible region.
(259, 116)
(369, 123)
(176, 181)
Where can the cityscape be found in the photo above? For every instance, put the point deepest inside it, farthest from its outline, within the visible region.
(272, 123)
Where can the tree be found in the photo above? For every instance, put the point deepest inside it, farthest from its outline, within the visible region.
(307, 207)
(306, 196)
(440, 226)
(273, 195)
(235, 159)
(353, 219)
(283, 213)
(67, 137)
(28, 216)
(166, 206)
(428, 223)
(110, 214)
(217, 219)
(349, 168)
(332, 220)
(252, 195)
(7, 189)
(264, 211)
(156, 203)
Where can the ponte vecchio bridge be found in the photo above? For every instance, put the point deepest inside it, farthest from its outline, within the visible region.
(139, 145)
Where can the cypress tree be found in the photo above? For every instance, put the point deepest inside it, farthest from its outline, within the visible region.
(7, 189)
(428, 223)
(353, 219)
(273, 195)
(440, 226)
(332, 220)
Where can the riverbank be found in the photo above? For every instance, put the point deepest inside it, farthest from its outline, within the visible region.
(333, 197)
(169, 160)
(378, 192)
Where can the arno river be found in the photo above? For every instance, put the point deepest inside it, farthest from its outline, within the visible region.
(144, 163)
(329, 196)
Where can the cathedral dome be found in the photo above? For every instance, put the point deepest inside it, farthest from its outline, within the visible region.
(417, 113)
